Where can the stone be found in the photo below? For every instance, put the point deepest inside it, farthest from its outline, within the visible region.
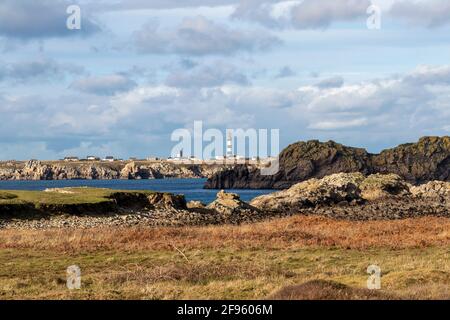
(332, 189)
(352, 189)
(379, 186)
(167, 201)
(437, 190)
(196, 205)
(231, 204)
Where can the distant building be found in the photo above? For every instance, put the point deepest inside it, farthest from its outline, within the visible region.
(92, 158)
(133, 159)
(109, 159)
(152, 159)
(68, 159)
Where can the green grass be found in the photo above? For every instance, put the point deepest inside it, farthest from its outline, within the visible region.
(73, 196)
(69, 201)
(7, 196)
(218, 274)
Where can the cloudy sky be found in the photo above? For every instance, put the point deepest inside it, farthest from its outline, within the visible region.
(139, 69)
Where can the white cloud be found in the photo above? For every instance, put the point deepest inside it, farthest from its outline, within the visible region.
(30, 19)
(338, 124)
(333, 82)
(304, 14)
(428, 13)
(395, 108)
(285, 72)
(41, 69)
(104, 85)
(210, 75)
(199, 36)
(319, 14)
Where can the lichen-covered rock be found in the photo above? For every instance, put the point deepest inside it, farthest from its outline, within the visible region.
(341, 188)
(167, 201)
(231, 204)
(333, 189)
(436, 190)
(379, 186)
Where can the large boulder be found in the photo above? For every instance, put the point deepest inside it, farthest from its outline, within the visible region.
(341, 188)
(332, 189)
(167, 201)
(378, 186)
(229, 204)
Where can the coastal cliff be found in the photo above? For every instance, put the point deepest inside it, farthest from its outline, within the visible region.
(426, 160)
(58, 170)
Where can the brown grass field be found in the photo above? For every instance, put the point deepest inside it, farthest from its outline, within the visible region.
(290, 258)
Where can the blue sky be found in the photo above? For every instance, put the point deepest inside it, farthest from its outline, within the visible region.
(137, 70)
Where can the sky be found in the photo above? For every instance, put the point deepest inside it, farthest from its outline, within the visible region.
(137, 70)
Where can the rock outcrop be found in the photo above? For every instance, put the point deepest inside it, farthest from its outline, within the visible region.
(167, 201)
(354, 196)
(330, 190)
(427, 160)
(379, 186)
(231, 204)
(434, 190)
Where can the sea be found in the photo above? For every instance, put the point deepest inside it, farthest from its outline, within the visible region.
(192, 189)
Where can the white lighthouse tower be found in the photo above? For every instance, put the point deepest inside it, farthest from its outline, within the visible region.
(230, 145)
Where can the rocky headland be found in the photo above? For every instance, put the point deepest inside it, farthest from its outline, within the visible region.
(416, 163)
(59, 170)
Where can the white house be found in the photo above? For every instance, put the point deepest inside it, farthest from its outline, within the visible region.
(109, 159)
(71, 159)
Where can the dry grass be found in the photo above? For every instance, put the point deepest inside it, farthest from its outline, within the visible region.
(293, 232)
(232, 262)
(327, 290)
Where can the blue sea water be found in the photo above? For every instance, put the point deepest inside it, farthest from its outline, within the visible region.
(191, 188)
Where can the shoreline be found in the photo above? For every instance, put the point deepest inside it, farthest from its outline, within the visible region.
(35, 170)
(343, 196)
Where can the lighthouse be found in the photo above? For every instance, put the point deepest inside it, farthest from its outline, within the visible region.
(230, 145)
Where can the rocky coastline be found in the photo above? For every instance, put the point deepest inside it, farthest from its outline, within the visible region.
(348, 196)
(59, 170)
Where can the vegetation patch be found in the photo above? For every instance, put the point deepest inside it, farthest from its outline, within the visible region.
(177, 273)
(71, 201)
(7, 196)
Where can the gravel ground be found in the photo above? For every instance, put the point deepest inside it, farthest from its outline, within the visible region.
(386, 209)
(138, 218)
